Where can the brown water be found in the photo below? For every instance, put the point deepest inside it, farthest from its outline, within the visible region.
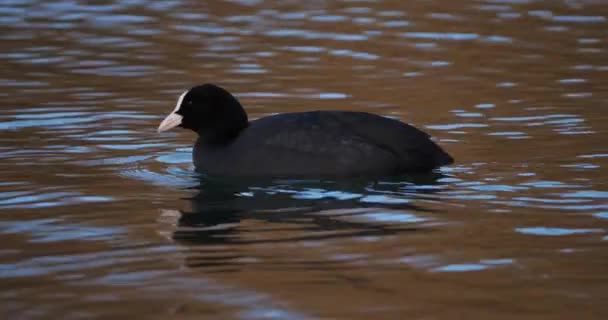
(102, 217)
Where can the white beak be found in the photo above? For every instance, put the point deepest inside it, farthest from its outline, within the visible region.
(171, 121)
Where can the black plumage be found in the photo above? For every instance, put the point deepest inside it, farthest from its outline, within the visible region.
(310, 144)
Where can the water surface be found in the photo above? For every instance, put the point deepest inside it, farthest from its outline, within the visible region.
(102, 217)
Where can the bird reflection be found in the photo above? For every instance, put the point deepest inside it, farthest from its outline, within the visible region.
(308, 210)
(227, 216)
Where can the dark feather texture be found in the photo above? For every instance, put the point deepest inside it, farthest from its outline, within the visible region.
(316, 143)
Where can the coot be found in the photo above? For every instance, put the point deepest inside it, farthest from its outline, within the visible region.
(302, 144)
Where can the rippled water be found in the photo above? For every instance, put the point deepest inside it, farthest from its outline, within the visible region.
(102, 217)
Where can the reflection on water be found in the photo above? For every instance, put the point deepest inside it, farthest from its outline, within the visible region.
(101, 217)
(311, 210)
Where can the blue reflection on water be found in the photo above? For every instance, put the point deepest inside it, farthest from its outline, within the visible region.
(442, 36)
(603, 215)
(383, 199)
(546, 231)
(53, 230)
(321, 194)
(308, 34)
(31, 199)
(393, 216)
(580, 19)
(586, 194)
(483, 264)
(461, 267)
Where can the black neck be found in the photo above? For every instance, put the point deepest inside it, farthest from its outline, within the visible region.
(216, 135)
